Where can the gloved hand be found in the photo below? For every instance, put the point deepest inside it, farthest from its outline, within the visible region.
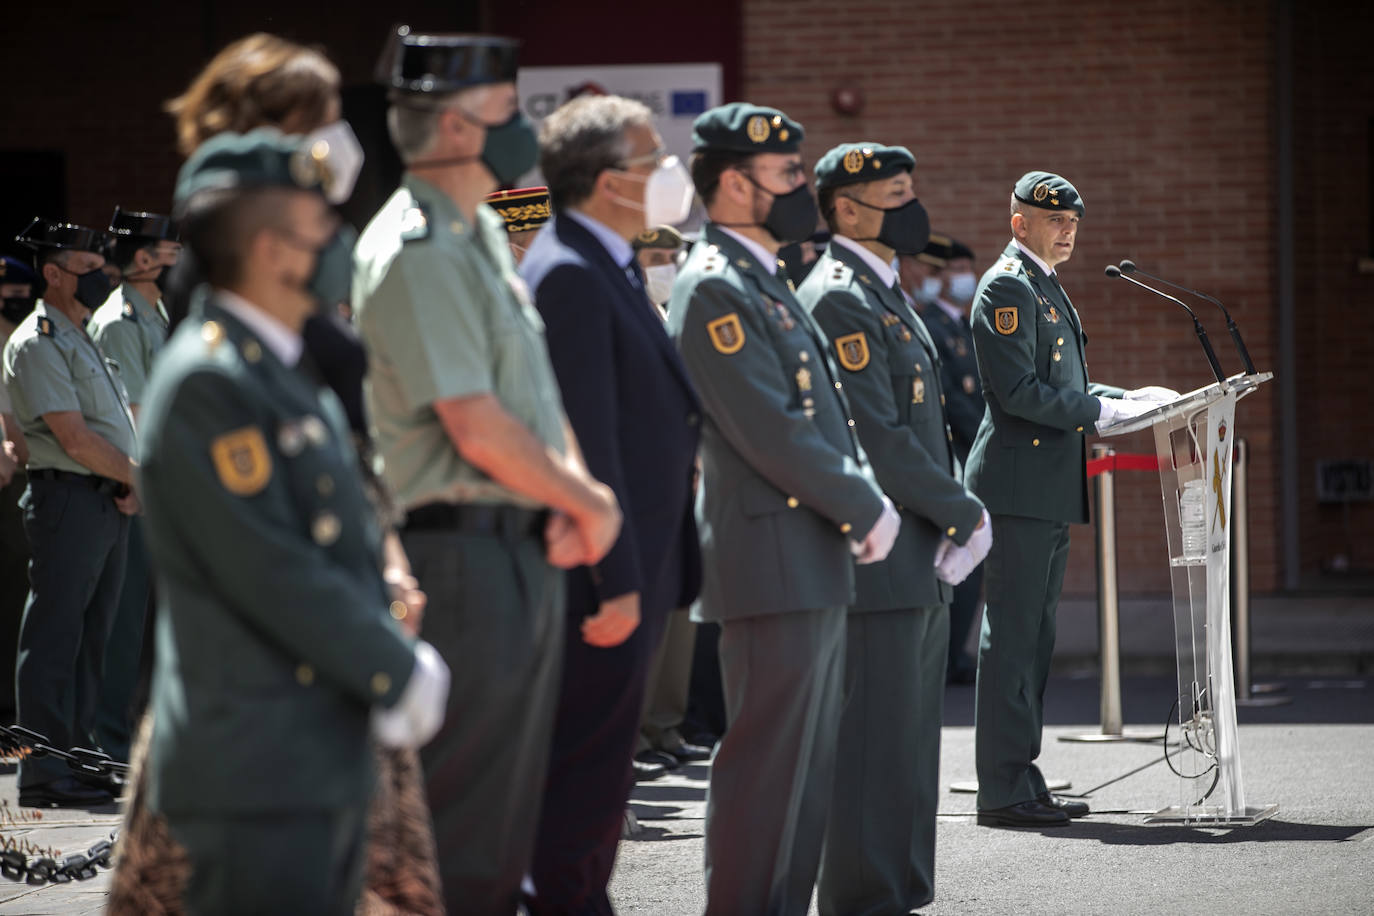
(1113, 409)
(419, 712)
(980, 542)
(956, 565)
(875, 547)
(1155, 394)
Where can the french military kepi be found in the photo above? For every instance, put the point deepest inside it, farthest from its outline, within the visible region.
(1047, 191)
(262, 158)
(744, 128)
(854, 163)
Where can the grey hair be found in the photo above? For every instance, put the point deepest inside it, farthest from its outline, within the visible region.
(1015, 205)
(413, 123)
(584, 138)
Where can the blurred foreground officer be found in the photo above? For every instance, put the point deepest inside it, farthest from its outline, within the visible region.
(130, 328)
(1028, 467)
(17, 282)
(477, 449)
(525, 211)
(946, 317)
(80, 434)
(880, 843)
(274, 644)
(786, 492)
(638, 421)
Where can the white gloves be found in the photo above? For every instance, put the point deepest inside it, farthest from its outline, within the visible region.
(419, 712)
(1155, 394)
(1121, 409)
(875, 547)
(953, 563)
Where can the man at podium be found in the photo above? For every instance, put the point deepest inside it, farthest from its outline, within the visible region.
(1027, 466)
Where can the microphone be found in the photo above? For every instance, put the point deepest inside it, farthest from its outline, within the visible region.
(1114, 271)
(1128, 267)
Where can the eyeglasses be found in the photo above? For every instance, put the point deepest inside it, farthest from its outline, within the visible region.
(655, 155)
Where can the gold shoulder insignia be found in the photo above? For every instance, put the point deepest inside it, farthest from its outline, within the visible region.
(414, 224)
(129, 312)
(45, 327)
(1007, 320)
(242, 461)
(212, 334)
(852, 350)
(727, 334)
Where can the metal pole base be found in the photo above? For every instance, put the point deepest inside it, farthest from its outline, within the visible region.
(1211, 816)
(1127, 734)
(970, 787)
(1263, 701)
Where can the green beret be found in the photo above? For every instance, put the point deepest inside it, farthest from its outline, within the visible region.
(852, 163)
(744, 128)
(262, 158)
(665, 237)
(1047, 191)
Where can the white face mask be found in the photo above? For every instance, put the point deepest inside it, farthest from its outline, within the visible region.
(336, 150)
(667, 193)
(962, 287)
(658, 282)
(930, 287)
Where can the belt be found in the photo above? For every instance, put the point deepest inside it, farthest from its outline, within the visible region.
(475, 518)
(103, 485)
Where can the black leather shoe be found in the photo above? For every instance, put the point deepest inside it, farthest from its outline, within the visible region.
(647, 771)
(688, 752)
(65, 792)
(1068, 806)
(1026, 814)
(662, 758)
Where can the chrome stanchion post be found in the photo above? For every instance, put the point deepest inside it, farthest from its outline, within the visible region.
(1240, 586)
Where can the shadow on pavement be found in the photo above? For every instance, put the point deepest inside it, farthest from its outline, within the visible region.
(660, 835)
(1270, 831)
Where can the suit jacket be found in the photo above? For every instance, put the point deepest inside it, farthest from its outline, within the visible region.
(892, 375)
(273, 637)
(1030, 453)
(634, 411)
(785, 484)
(958, 375)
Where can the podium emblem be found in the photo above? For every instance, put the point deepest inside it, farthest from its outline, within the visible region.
(1007, 320)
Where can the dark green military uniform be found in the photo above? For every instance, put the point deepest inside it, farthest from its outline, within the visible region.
(77, 534)
(880, 844)
(784, 487)
(129, 330)
(1028, 467)
(273, 640)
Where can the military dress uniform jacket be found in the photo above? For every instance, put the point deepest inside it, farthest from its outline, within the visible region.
(273, 638)
(892, 376)
(785, 484)
(1029, 457)
(958, 375)
(129, 330)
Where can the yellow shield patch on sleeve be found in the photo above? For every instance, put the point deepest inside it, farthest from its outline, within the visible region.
(1006, 320)
(852, 350)
(242, 461)
(727, 334)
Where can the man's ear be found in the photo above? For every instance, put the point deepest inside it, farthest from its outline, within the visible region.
(1018, 225)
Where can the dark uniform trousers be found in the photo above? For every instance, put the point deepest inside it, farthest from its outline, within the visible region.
(14, 585)
(79, 540)
(114, 717)
(495, 613)
(1025, 571)
(776, 761)
(895, 672)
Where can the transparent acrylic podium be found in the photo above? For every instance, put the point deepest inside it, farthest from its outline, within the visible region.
(1194, 439)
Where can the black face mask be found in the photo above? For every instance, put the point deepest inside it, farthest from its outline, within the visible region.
(510, 149)
(791, 217)
(92, 287)
(160, 281)
(16, 308)
(905, 229)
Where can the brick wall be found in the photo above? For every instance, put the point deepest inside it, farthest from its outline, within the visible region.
(1166, 129)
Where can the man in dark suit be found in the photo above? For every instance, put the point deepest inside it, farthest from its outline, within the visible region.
(636, 416)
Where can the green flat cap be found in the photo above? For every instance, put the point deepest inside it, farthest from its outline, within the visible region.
(938, 251)
(665, 237)
(744, 128)
(1047, 191)
(262, 158)
(852, 163)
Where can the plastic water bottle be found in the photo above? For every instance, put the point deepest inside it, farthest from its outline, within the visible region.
(1192, 516)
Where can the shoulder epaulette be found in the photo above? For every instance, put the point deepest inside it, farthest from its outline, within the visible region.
(45, 326)
(414, 224)
(128, 311)
(714, 261)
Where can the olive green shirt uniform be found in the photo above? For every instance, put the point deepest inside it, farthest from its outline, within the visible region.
(130, 330)
(1028, 466)
(444, 315)
(880, 841)
(785, 486)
